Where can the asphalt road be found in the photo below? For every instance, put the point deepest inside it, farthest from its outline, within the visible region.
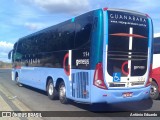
(37, 100)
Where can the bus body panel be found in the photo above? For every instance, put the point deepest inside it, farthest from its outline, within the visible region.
(156, 64)
(127, 78)
(78, 89)
(115, 96)
(77, 66)
(40, 76)
(156, 75)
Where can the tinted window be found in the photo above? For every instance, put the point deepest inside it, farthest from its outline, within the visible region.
(157, 45)
(67, 36)
(83, 30)
(17, 56)
(59, 37)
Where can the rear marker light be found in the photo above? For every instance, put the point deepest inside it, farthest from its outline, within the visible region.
(150, 80)
(146, 92)
(105, 9)
(147, 15)
(105, 95)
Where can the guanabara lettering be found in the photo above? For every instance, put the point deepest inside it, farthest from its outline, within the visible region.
(127, 17)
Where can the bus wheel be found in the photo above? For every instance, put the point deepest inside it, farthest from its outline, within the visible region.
(17, 81)
(51, 91)
(154, 93)
(62, 93)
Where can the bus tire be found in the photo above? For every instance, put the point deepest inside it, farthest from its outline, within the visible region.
(51, 91)
(17, 81)
(62, 93)
(154, 93)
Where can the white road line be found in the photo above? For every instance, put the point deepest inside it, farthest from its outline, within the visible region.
(70, 64)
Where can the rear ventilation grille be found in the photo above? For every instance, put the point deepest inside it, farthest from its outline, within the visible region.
(80, 81)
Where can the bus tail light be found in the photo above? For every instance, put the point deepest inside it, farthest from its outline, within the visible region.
(147, 15)
(149, 79)
(98, 77)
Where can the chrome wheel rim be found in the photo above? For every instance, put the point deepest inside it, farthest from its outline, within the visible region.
(153, 90)
(62, 92)
(50, 88)
(17, 79)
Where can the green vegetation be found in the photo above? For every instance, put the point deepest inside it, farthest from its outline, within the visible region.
(5, 65)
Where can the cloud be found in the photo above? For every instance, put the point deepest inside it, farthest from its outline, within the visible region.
(5, 47)
(62, 6)
(157, 35)
(34, 26)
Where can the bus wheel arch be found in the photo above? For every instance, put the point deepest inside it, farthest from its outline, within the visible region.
(154, 92)
(51, 90)
(17, 79)
(59, 80)
(48, 78)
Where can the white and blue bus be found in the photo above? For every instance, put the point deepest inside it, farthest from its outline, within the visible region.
(101, 56)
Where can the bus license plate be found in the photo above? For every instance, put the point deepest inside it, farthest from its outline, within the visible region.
(127, 94)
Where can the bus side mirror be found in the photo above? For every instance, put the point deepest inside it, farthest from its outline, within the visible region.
(9, 54)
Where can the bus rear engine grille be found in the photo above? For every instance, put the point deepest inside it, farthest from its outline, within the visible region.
(80, 81)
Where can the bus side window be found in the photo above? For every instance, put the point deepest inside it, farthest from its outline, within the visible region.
(68, 34)
(156, 46)
(41, 42)
(83, 30)
(18, 54)
(95, 23)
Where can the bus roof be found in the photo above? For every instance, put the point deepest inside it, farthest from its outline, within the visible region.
(110, 9)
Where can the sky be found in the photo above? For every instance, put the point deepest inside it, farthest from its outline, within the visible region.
(19, 18)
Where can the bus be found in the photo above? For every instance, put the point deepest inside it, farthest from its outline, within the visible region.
(102, 56)
(155, 85)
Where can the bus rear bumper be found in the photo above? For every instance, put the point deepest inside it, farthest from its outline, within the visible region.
(116, 96)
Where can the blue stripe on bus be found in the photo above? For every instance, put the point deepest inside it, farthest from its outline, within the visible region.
(150, 32)
(106, 27)
(150, 37)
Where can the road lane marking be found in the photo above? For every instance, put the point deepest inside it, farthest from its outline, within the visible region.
(15, 101)
(5, 107)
